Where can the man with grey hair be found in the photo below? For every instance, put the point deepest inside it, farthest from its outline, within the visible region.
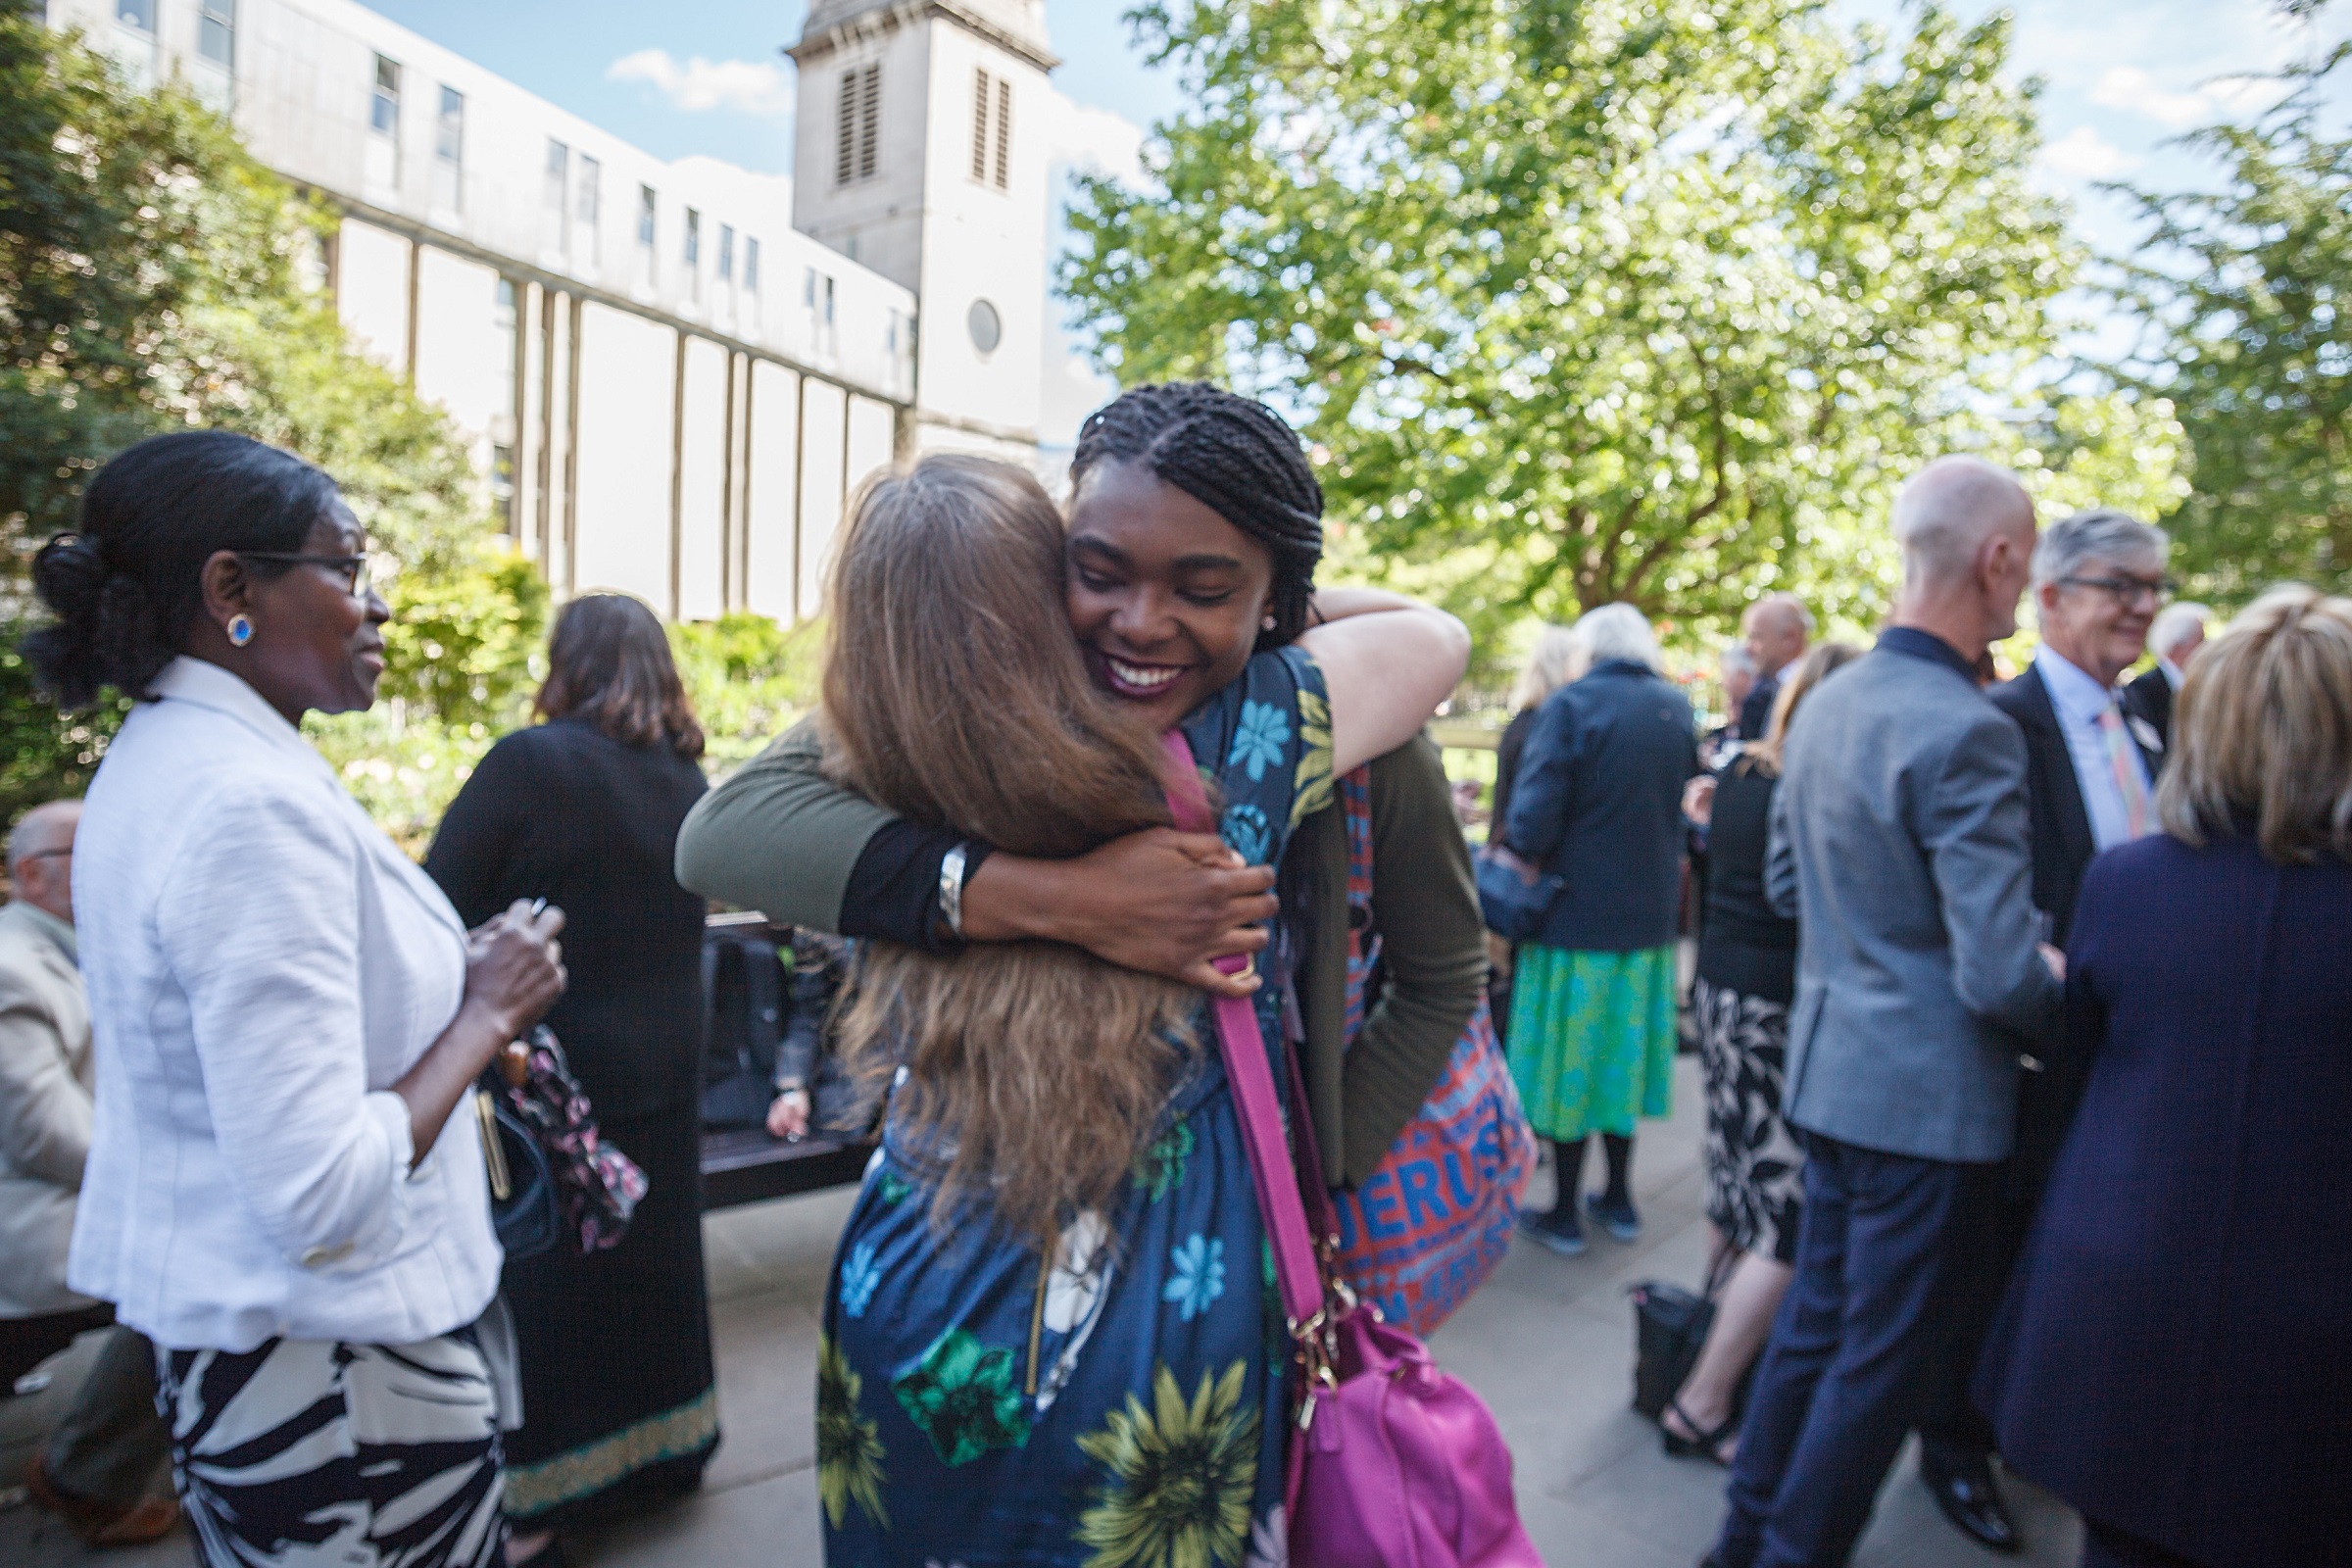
(1777, 628)
(1898, 842)
(2090, 768)
(111, 1442)
(2175, 637)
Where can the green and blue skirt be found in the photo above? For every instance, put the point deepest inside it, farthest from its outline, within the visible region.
(1592, 1039)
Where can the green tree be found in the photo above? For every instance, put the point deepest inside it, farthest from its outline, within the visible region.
(1594, 299)
(152, 275)
(2247, 290)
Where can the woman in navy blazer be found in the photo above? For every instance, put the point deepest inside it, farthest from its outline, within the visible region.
(1598, 801)
(2174, 1358)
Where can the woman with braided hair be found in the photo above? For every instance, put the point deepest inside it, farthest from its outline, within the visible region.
(1115, 1393)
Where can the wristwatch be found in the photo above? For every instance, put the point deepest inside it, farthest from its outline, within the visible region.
(950, 889)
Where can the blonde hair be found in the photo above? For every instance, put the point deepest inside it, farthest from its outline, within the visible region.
(954, 694)
(2262, 732)
(1546, 670)
(1811, 671)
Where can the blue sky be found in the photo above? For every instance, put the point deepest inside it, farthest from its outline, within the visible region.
(2123, 77)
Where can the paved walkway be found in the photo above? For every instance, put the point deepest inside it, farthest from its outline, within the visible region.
(1548, 1343)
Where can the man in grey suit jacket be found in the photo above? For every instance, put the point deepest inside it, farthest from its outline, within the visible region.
(1899, 839)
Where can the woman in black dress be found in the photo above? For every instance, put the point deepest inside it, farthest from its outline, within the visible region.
(1746, 979)
(583, 810)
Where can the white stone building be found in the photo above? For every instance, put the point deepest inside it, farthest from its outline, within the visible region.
(673, 372)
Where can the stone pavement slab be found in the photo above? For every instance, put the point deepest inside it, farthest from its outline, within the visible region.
(1548, 1343)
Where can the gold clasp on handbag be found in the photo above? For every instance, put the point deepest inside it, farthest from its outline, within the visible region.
(494, 1152)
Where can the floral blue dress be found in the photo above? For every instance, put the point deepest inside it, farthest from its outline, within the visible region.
(1123, 1402)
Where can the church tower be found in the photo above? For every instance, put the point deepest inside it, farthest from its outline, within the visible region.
(921, 153)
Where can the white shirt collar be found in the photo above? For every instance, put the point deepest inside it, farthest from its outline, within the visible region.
(2075, 695)
(208, 685)
(2173, 674)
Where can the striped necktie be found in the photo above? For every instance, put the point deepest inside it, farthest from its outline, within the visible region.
(2126, 766)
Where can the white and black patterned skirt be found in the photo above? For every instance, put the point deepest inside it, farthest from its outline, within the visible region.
(1755, 1170)
(311, 1452)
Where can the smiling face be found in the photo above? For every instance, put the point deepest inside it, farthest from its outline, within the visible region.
(1165, 595)
(2097, 630)
(315, 646)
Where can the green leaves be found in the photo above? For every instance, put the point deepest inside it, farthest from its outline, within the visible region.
(1592, 301)
(2248, 292)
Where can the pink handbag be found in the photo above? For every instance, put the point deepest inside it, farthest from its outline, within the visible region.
(1393, 1463)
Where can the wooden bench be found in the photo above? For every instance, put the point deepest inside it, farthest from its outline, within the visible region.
(750, 1167)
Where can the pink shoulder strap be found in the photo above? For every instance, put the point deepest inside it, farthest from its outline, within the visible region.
(1252, 1078)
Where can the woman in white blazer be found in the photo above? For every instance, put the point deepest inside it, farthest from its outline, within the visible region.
(277, 1192)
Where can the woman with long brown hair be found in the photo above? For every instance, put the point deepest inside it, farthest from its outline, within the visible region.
(583, 810)
(1046, 1339)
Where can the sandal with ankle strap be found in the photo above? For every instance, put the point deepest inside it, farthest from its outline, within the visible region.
(1708, 1446)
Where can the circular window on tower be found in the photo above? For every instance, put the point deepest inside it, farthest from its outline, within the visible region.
(987, 330)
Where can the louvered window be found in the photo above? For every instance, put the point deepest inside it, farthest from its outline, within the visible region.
(1004, 133)
(980, 123)
(857, 141)
(992, 128)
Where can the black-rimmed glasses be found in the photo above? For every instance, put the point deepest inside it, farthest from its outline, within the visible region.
(2127, 591)
(353, 567)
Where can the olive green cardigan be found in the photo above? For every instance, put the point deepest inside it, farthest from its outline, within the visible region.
(780, 838)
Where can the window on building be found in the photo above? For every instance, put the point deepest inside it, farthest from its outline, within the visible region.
(647, 206)
(694, 254)
(501, 475)
(992, 128)
(857, 148)
(590, 209)
(140, 14)
(449, 150)
(750, 264)
(217, 31)
(1004, 132)
(816, 293)
(383, 113)
(726, 253)
(556, 196)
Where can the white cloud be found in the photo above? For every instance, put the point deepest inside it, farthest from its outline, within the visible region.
(753, 86)
(2083, 154)
(1096, 140)
(2129, 88)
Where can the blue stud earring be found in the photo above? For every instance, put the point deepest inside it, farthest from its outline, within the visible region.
(241, 632)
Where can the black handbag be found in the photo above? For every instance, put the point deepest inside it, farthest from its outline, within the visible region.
(1670, 1329)
(1514, 909)
(523, 1187)
(551, 1172)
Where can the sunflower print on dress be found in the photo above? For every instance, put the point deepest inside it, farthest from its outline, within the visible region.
(1181, 1477)
(849, 1450)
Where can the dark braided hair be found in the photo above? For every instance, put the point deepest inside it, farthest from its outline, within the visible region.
(1236, 457)
(126, 588)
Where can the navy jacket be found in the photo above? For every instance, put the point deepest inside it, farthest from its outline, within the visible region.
(2174, 1358)
(1597, 800)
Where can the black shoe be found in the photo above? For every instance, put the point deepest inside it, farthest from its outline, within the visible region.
(1972, 1502)
(1555, 1232)
(1707, 1445)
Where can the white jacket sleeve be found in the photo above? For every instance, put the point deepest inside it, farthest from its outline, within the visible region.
(260, 922)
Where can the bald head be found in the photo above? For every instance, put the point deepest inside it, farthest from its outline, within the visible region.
(1947, 512)
(1966, 529)
(1777, 627)
(40, 863)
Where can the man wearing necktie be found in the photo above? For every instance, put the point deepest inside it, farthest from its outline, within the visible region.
(2090, 771)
